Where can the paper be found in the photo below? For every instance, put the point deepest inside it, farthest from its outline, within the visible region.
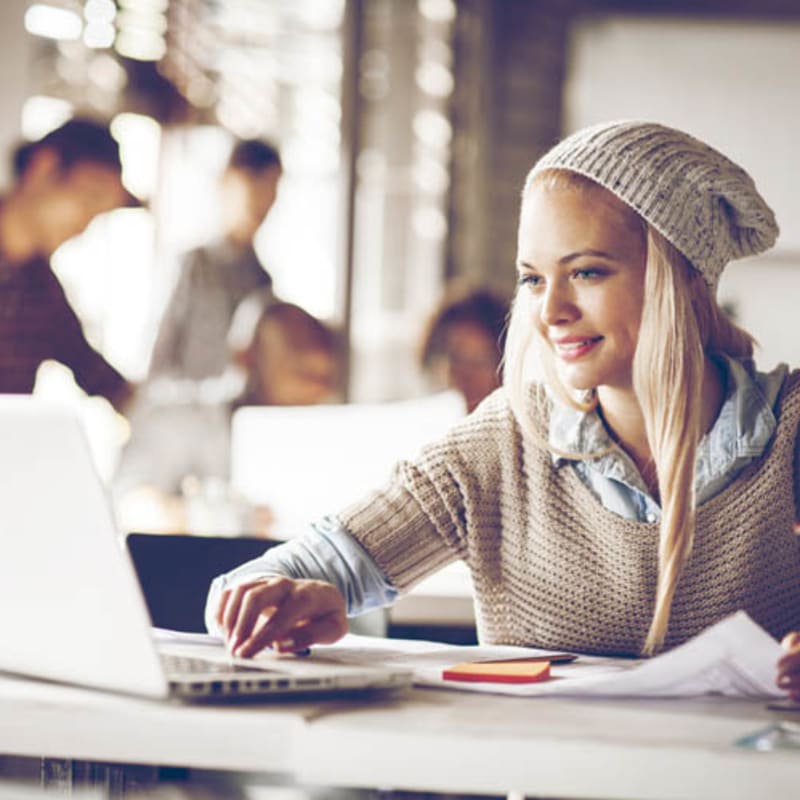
(735, 658)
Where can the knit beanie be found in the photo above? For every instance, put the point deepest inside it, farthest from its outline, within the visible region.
(699, 200)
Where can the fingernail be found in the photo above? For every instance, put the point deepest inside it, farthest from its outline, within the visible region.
(285, 644)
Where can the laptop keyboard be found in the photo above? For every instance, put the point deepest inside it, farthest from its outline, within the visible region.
(182, 665)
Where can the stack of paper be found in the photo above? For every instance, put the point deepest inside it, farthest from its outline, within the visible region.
(735, 657)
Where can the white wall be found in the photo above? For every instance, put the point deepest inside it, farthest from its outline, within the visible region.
(734, 85)
(15, 49)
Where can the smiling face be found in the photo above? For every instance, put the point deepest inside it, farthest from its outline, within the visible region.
(581, 261)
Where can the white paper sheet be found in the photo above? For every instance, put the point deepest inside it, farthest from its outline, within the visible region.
(735, 658)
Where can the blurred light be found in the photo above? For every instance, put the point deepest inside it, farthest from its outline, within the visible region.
(309, 155)
(429, 223)
(158, 6)
(431, 176)
(371, 165)
(99, 34)
(320, 15)
(139, 138)
(140, 45)
(437, 10)
(432, 128)
(434, 79)
(316, 110)
(136, 20)
(99, 11)
(41, 114)
(107, 73)
(52, 23)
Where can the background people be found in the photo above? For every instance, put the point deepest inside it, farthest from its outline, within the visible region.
(634, 481)
(462, 344)
(179, 452)
(215, 278)
(61, 183)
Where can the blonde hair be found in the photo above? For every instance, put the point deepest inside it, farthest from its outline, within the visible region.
(681, 325)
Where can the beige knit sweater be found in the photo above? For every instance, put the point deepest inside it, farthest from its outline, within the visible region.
(553, 568)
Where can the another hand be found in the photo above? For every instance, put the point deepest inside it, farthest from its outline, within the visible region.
(789, 665)
(286, 614)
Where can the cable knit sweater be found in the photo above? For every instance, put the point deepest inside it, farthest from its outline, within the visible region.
(553, 568)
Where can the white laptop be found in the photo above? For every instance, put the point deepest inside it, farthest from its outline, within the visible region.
(73, 609)
(303, 462)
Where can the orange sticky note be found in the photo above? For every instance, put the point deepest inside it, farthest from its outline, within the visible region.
(499, 671)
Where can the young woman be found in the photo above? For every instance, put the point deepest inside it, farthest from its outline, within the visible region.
(634, 480)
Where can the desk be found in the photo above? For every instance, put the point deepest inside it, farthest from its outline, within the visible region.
(420, 739)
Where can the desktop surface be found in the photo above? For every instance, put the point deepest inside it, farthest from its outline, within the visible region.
(422, 739)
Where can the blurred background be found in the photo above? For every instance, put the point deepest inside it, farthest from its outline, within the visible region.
(406, 128)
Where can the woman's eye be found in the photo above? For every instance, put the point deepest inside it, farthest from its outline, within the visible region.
(587, 274)
(531, 281)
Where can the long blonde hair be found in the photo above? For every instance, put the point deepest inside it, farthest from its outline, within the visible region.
(681, 325)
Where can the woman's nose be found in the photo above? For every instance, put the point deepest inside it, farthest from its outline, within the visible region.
(557, 306)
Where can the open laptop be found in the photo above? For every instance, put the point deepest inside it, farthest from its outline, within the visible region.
(341, 452)
(73, 608)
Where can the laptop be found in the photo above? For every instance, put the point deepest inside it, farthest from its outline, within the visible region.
(74, 610)
(272, 445)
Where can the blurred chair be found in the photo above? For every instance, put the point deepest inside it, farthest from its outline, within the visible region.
(176, 571)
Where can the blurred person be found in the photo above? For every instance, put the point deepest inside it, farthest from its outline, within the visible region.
(61, 183)
(215, 278)
(462, 344)
(177, 460)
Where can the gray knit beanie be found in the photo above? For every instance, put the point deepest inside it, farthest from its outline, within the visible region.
(699, 200)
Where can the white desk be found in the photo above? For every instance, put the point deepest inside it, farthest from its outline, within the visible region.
(421, 739)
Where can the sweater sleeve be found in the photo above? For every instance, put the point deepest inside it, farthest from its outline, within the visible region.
(423, 519)
(327, 553)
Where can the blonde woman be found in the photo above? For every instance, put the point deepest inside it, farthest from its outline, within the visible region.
(634, 480)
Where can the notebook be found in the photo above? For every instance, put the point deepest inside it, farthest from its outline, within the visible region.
(74, 611)
(304, 462)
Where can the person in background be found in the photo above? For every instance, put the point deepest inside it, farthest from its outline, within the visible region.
(61, 183)
(634, 481)
(215, 278)
(178, 457)
(462, 343)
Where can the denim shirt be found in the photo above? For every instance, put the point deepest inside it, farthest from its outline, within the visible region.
(741, 432)
(744, 427)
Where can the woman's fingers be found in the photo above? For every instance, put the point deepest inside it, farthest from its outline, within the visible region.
(288, 614)
(259, 602)
(320, 630)
(303, 604)
(789, 665)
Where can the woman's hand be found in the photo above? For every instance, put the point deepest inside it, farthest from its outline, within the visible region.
(286, 614)
(789, 665)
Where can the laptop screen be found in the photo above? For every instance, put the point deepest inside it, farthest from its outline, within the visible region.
(305, 462)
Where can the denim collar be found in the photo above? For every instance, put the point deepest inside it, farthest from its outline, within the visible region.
(741, 432)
